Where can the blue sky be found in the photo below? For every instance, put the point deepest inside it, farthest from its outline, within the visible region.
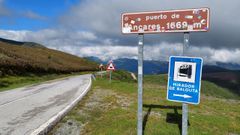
(34, 14)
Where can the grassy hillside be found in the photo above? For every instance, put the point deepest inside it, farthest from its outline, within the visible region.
(208, 88)
(27, 57)
(11, 82)
(12, 42)
(111, 108)
(228, 80)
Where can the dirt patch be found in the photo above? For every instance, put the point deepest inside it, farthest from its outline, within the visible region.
(71, 127)
(105, 100)
(96, 103)
(156, 114)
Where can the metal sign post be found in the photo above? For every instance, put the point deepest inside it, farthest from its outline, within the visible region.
(185, 105)
(101, 69)
(140, 82)
(184, 118)
(185, 43)
(110, 76)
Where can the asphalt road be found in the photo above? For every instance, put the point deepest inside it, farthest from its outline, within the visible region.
(24, 110)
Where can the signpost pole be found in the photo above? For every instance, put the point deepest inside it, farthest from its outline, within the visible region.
(184, 118)
(110, 76)
(140, 82)
(185, 105)
(185, 43)
(101, 72)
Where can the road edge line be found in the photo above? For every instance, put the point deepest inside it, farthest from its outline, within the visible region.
(47, 126)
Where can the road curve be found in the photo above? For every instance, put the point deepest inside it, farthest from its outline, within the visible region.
(29, 110)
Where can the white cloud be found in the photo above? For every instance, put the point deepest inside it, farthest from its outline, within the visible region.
(3, 10)
(102, 52)
(103, 18)
(225, 56)
(14, 35)
(162, 51)
(159, 52)
(32, 15)
(51, 37)
(85, 44)
(83, 35)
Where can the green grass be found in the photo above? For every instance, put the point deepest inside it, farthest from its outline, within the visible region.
(111, 109)
(11, 82)
(211, 89)
(120, 75)
(156, 79)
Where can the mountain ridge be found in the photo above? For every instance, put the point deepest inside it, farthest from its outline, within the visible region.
(13, 42)
(28, 57)
(225, 78)
(158, 67)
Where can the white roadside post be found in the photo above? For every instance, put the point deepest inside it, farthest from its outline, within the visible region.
(185, 105)
(140, 84)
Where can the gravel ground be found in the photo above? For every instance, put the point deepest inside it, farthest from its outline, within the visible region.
(96, 102)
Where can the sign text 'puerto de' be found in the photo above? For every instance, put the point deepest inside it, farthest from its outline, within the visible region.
(187, 20)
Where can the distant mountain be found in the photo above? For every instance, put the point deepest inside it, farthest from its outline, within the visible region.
(158, 67)
(96, 59)
(150, 67)
(230, 66)
(213, 69)
(27, 57)
(229, 79)
(217, 74)
(12, 42)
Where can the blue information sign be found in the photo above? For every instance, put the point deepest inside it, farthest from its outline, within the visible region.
(184, 79)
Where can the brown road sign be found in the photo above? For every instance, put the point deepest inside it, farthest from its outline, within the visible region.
(186, 20)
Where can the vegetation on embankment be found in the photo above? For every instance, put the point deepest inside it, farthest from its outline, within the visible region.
(24, 63)
(17, 58)
(111, 108)
(10, 82)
